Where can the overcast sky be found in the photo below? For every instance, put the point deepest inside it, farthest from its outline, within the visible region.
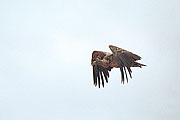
(45, 53)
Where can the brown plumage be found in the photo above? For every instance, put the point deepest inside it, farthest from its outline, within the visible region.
(103, 62)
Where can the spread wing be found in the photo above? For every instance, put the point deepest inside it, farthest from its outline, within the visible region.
(125, 60)
(100, 73)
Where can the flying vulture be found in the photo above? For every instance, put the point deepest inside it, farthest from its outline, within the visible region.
(103, 62)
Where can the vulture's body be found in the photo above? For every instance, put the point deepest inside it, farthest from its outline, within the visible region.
(103, 62)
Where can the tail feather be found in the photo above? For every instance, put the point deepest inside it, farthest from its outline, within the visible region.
(136, 64)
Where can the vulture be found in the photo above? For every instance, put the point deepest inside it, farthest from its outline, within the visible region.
(103, 62)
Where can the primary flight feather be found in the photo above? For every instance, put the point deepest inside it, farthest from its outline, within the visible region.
(103, 62)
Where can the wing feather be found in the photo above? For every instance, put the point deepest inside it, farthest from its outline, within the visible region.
(100, 73)
(98, 76)
(102, 79)
(126, 74)
(130, 71)
(125, 59)
(121, 65)
(105, 73)
(122, 75)
(94, 75)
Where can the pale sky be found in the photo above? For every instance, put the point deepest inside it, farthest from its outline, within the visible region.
(45, 53)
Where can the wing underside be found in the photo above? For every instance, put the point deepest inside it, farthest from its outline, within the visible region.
(100, 75)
